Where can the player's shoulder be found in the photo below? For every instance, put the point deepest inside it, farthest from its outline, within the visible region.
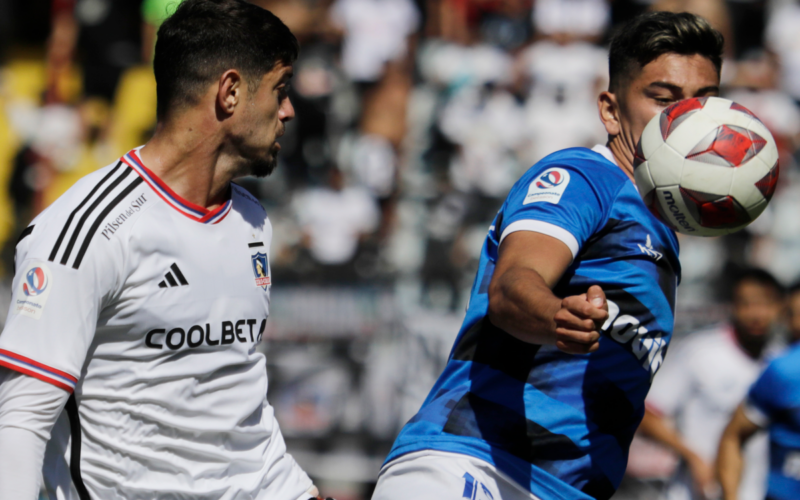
(589, 164)
(243, 200)
(98, 206)
(787, 365)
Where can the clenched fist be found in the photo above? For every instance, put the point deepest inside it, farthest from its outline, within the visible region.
(579, 320)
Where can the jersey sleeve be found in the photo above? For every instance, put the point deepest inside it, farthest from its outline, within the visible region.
(569, 203)
(764, 397)
(56, 302)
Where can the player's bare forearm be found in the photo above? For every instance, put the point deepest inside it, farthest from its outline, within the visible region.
(654, 426)
(729, 456)
(522, 303)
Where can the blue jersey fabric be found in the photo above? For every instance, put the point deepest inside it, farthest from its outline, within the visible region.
(776, 395)
(556, 423)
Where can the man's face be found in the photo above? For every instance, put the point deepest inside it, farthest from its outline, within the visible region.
(262, 121)
(756, 307)
(661, 82)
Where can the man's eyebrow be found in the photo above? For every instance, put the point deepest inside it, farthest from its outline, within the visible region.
(676, 89)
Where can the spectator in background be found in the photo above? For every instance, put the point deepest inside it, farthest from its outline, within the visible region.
(334, 220)
(375, 32)
(703, 380)
(772, 403)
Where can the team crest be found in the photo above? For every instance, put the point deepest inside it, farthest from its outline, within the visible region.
(261, 269)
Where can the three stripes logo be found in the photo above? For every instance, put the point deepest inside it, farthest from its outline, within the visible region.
(173, 278)
(85, 220)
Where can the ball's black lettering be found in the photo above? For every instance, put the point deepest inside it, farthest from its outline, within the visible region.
(261, 330)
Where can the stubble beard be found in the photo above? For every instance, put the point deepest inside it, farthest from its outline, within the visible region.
(263, 167)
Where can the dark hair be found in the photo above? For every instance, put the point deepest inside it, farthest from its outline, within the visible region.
(793, 288)
(204, 38)
(650, 35)
(759, 276)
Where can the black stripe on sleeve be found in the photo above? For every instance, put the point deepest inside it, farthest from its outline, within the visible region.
(72, 215)
(75, 454)
(256, 244)
(89, 211)
(99, 220)
(25, 233)
(178, 273)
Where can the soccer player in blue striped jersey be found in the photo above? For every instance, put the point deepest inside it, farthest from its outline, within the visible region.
(773, 403)
(572, 308)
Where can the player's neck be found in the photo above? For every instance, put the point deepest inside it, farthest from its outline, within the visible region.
(622, 154)
(188, 157)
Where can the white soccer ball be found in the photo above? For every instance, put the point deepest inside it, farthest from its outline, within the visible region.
(706, 166)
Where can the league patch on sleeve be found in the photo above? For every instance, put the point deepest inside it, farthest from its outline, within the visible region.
(33, 291)
(549, 186)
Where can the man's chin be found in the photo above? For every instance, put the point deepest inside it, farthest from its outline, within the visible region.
(263, 168)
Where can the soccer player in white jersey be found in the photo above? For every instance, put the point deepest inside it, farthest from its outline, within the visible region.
(702, 382)
(141, 294)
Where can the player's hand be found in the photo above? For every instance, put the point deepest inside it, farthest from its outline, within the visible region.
(579, 320)
(703, 476)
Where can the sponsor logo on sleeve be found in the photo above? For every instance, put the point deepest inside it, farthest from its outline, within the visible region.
(261, 269)
(34, 289)
(548, 186)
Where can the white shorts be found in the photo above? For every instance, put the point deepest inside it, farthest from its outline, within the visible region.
(438, 475)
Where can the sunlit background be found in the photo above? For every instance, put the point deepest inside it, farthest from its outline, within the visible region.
(414, 118)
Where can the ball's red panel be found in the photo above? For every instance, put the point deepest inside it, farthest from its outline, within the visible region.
(677, 113)
(715, 212)
(735, 145)
(767, 183)
(738, 107)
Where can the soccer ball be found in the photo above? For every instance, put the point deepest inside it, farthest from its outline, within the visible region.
(706, 166)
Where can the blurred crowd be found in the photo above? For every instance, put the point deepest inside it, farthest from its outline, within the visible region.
(413, 120)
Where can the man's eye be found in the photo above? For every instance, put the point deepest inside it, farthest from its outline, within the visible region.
(664, 101)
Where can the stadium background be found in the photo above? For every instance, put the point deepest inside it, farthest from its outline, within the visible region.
(414, 118)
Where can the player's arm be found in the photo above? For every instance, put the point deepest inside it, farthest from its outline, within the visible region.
(29, 409)
(655, 427)
(729, 456)
(522, 303)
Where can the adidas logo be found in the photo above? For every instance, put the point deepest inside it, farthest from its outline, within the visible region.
(170, 278)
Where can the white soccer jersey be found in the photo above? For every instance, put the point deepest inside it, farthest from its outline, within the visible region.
(700, 385)
(150, 308)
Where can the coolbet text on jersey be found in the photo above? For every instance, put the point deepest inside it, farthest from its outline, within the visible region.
(560, 424)
(774, 402)
(148, 309)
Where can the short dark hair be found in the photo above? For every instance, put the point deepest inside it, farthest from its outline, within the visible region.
(650, 35)
(204, 38)
(759, 276)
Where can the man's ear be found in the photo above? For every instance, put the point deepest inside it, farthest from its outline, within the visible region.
(608, 106)
(229, 92)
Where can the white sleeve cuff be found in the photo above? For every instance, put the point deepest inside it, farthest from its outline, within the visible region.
(538, 226)
(755, 415)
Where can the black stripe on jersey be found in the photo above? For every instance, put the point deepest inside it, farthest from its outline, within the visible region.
(171, 279)
(75, 453)
(99, 220)
(178, 273)
(256, 244)
(25, 233)
(88, 212)
(72, 215)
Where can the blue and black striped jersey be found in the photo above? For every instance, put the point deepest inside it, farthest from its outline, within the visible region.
(561, 424)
